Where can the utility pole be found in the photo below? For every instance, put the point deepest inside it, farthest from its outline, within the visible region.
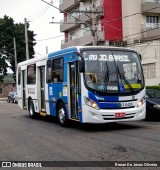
(92, 27)
(94, 32)
(26, 39)
(15, 54)
(46, 49)
(94, 24)
(93, 18)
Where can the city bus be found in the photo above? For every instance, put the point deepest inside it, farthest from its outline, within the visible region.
(88, 84)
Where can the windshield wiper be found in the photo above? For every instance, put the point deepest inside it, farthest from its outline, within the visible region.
(124, 78)
(106, 78)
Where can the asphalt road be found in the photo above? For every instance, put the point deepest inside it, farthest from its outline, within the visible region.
(43, 139)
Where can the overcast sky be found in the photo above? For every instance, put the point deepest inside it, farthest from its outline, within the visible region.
(40, 14)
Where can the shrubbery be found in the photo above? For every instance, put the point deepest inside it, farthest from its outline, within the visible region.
(153, 87)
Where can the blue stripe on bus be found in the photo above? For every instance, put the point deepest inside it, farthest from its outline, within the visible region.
(55, 92)
(109, 105)
(97, 98)
(79, 108)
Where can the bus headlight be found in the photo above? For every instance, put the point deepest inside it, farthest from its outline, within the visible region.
(140, 102)
(91, 103)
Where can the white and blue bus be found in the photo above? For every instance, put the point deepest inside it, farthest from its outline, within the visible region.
(89, 84)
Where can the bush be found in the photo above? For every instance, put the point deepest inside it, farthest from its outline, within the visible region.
(153, 87)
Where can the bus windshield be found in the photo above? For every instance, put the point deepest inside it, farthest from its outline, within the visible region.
(112, 71)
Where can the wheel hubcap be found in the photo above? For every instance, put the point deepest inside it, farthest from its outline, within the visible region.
(61, 115)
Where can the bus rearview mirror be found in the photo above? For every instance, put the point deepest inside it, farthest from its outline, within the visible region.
(140, 57)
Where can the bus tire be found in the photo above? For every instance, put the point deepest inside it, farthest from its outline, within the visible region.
(31, 109)
(61, 114)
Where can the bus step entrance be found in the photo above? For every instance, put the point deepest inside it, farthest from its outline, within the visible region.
(43, 114)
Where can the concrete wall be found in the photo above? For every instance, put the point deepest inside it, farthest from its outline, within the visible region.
(150, 52)
(6, 88)
(132, 23)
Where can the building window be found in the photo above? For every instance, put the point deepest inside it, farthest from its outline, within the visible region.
(149, 70)
(152, 22)
(31, 74)
(72, 35)
(57, 70)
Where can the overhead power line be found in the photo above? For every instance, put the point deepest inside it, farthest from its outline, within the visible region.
(50, 38)
(39, 15)
(41, 12)
(131, 28)
(141, 32)
(92, 28)
(150, 40)
(115, 19)
(94, 32)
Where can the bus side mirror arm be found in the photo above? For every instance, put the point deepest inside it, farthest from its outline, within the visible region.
(81, 66)
(140, 57)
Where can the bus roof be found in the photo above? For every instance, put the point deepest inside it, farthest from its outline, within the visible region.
(33, 60)
(60, 52)
(77, 48)
(69, 50)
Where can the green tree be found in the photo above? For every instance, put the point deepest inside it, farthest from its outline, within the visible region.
(8, 30)
(6, 26)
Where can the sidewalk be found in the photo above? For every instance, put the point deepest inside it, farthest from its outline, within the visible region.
(3, 99)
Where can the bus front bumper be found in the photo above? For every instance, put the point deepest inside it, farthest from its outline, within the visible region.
(91, 115)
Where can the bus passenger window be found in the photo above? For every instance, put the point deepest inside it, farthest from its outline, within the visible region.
(57, 70)
(48, 72)
(31, 74)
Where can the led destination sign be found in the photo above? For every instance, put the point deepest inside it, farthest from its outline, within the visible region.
(104, 57)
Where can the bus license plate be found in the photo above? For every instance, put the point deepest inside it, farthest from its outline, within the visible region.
(121, 114)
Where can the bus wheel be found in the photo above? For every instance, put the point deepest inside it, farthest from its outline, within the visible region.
(31, 109)
(61, 114)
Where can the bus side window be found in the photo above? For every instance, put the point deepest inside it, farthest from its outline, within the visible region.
(57, 70)
(48, 72)
(31, 74)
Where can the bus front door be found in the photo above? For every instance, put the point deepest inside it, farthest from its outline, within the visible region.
(42, 88)
(74, 89)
